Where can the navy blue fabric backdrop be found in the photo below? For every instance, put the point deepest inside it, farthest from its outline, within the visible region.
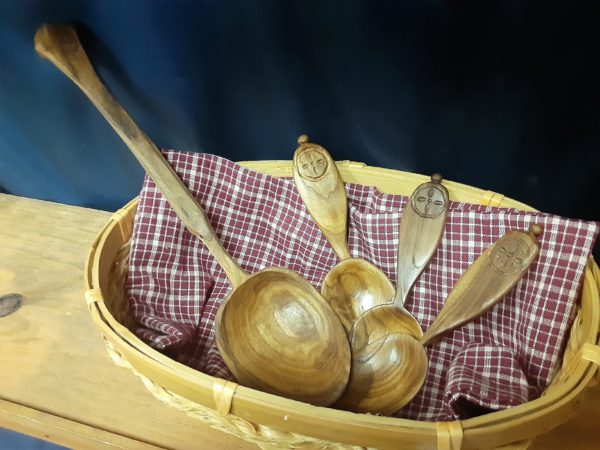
(503, 96)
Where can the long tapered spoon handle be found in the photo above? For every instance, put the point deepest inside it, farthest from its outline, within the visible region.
(61, 46)
(322, 190)
(491, 276)
(421, 230)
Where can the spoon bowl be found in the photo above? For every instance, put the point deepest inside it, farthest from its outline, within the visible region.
(274, 331)
(385, 373)
(275, 312)
(354, 286)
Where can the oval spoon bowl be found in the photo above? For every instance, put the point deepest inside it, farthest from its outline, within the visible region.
(399, 361)
(262, 317)
(359, 280)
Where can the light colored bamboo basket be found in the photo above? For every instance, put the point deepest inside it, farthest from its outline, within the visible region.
(274, 422)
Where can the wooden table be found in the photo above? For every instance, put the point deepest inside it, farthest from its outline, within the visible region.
(56, 380)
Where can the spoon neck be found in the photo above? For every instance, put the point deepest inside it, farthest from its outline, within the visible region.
(233, 271)
(342, 252)
(400, 296)
(60, 45)
(335, 237)
(428, 338)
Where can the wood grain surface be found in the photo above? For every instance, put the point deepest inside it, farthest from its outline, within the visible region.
(487, 281)
(419, 235)
(421, 230)
(58, 382)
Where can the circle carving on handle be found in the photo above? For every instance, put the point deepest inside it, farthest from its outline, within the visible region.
(429, 201)
(511, 255)
(313, 163)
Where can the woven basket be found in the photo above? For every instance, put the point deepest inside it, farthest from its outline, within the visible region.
(274, 422)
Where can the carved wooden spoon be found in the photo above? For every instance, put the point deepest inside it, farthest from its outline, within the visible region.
(353, 285)
(389, 371)
(274, 331)
(421, 229)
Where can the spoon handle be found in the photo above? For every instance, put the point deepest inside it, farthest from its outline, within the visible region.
(61, 46)
(491, 276)
(421, 229)
(322, 190)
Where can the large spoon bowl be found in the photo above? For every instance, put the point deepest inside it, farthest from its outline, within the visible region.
(276, 317)
(274, 331)
(354, 285)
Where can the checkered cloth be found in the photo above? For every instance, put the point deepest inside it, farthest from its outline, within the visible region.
(504, 358)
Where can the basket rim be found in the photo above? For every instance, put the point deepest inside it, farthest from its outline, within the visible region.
(247, 402)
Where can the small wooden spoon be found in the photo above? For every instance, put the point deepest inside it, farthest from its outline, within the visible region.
(274, 331)
(389, 371)
(353, 285)
(420, 232)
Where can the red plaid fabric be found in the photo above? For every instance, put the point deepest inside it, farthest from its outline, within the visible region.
(504, 358)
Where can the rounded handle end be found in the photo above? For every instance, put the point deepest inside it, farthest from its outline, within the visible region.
(535, 229)
(437, 178)
(302, 139)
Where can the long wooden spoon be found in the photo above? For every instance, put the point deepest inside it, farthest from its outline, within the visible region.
(353, 285)
(421, 229)
(274, 331)
(389, 371)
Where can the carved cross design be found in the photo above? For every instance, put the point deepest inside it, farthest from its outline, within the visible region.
(510, 255)
(313, 164)
(429, 201)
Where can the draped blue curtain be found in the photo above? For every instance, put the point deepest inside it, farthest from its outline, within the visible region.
(499, 95)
